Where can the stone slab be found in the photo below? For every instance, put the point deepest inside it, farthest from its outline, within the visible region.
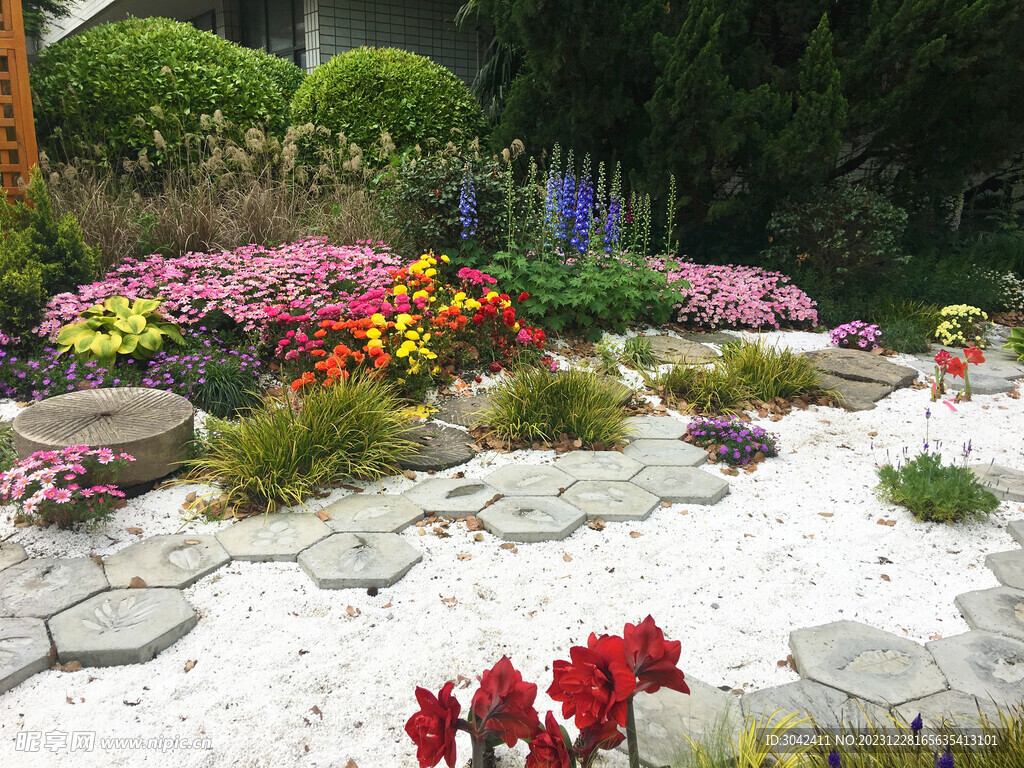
(1005, 482)
(531, 518)
(464, 411)
(669, 349)
(24, 650)
(999, 610)
(598, 465)
(665, 453)
(529, 480)
(450, 497)
(983, 664)
(1008, 567)
(272, 538)
(11, 554)
(998, 363)
(154, 426)
(828, 707)
(717, 337)
(41, 587)
(682, 485)
(439, 448)
(855, 395)
(866, 662)
(1016, 529)
(981, 383)
(124, 626)
(359, 560)
(372, 513)
(612, 501)
(169, 560)
(656, 428)
(855, 365)
(664, 720)
(954, 708)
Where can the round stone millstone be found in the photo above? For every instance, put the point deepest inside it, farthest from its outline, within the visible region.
(152, 425)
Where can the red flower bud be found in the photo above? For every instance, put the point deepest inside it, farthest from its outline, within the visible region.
(433, 728)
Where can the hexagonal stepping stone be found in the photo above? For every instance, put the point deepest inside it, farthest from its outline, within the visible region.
(438, 448)
(866, 662)
(1004, 482)
(11, 554)
(828, 707)
(154, 426)
(450, 496)
(267, 538)
(372, 513)
(1016, 529)
(611, 501)
(598, 465)
(999, 610)
(1008, 567)
(665, 453)
(24, 650)
(464, 411)
(983, 664)
(656, 428)
(41, 587)
(855, 395)
(954, 708)
(170, 560)
(124, 626)
(531, 518)
(856, 365)
(359, 560)
(682, 485)
(669, 349)
(664, 720)
(529, 480)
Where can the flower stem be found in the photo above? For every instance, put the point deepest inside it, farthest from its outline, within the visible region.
(478, 753)
(631, 745)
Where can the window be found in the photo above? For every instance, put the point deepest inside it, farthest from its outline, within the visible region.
(276, 26)
(205, 21)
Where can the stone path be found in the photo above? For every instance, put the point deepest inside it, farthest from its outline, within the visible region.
(859, 378)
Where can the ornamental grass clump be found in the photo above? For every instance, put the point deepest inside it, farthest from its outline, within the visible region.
(770, 372)
(281, 454)
(8, 456)
(72, 485)
(702, 389)
(732, 441)
(535, 405)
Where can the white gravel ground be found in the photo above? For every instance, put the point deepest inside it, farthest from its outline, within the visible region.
(285, 676)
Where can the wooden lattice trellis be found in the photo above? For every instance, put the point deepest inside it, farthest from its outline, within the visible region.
(17, 131)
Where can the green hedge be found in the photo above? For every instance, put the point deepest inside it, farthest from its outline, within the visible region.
(101, 94)
(367, 91)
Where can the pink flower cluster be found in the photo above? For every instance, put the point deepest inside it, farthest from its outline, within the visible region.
(475, 276)
(739, 297)
(241, 283)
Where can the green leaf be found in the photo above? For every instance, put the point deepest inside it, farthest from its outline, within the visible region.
(128, 345)
(151, 339)
(142, 306)
(105, 345)
(69, 334)
(118, 305)
(172, 332)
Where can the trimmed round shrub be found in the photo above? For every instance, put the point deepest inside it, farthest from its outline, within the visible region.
(368, 91)
(100, 95)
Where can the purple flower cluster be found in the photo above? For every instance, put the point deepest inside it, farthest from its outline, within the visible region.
(731, 440)
(855, 335)
(467, 208)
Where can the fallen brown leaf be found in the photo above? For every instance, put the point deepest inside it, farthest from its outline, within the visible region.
(478, 537)
(324, 515)
(71, 666)
(597, 524)
(567, 558)
(409, 474)
(134, 530)
(449, 601)
(316, 711)
(352, 612)
(827, 514)
(137, 582)
(189, 665)
(473, 523)
(351, 764)
(635, 534)
(462, 681)
(507, 545)
(464, 557)
(890, 523)
(885, 578)
(666, 503)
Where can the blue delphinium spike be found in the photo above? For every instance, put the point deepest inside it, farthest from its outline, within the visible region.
(833, 760)
(467, 208)
(946, 761)
(916, 724)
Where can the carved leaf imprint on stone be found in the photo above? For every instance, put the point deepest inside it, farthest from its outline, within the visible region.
(357, 558)
(530, 481)
(128, 612)
(880, 662)
(611, 497)
(370, 513)
(599, 463)
(277, 533)
(1011, 671)
(15, 648)
(465, 490)
(537, 515)
(187, 559)
(1018, 611)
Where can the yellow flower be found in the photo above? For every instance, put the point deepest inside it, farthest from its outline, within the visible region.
(398, 290)
(404, 319)
(373, 333)
(374, 343)
(407, 347)
(515, 327)
(420, 295)
(378, 319)
(492, 295)
(472, 304)
(444, 258)
(460, 296)
(430, 272)
(412, 335)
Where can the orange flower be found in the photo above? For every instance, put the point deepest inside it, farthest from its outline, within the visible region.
(318, 353)
(320, 334)
(382, 360)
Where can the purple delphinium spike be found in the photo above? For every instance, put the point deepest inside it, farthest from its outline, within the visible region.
(583, 216)
(467, 208)
(833, 760)
(916, 724)
(946, 761)
(612, 226)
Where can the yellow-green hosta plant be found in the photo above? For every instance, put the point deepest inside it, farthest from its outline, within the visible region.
(118, 327)
(1016, 342)
(962, 326)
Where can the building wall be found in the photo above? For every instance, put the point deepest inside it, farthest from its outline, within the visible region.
(422, 26)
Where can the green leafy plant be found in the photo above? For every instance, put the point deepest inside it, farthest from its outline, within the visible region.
(7, 453)
(637, 353)
(535, 405)
(118, 327)
(143, 85)
(1015, 342)
(40, 255)
(935, 492)
(227, 388)
(279, 455)
(769, 372)
(369, 91)
(904, 336)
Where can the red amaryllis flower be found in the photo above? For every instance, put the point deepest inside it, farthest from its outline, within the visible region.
(594, 687)
(503, 704)
(956, 367)
(653, 659)
(942, 358)
(604, 735)
(433, 728)
(547, 749)
(973, 355)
